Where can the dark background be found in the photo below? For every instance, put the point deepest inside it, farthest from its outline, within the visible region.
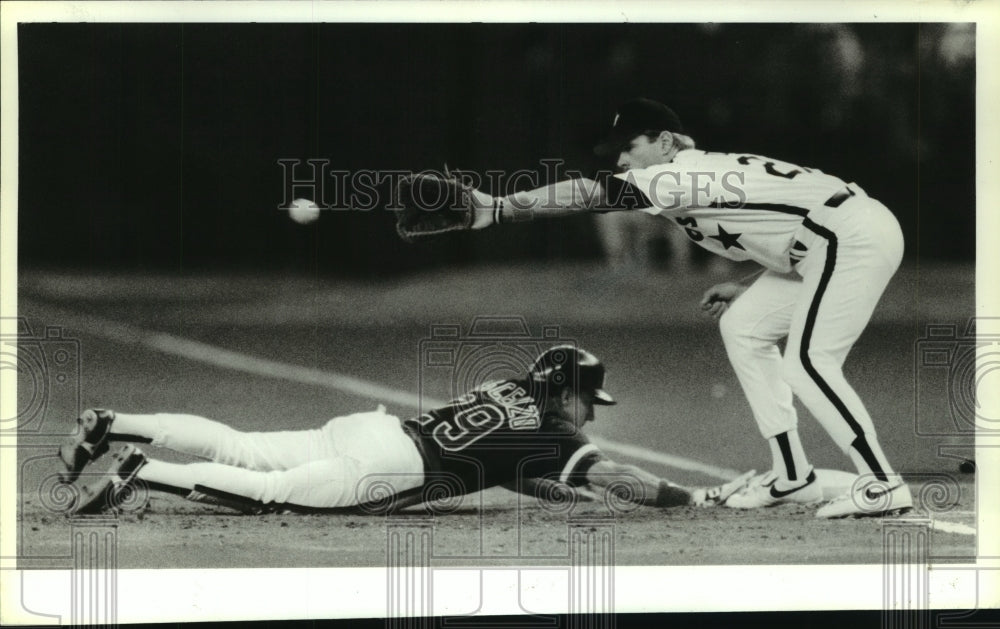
(155, 147)
(150, 238)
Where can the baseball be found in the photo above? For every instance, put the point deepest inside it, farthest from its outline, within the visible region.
(303, 211)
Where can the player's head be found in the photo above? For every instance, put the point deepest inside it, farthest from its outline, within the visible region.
(572, 382)
(644, 133)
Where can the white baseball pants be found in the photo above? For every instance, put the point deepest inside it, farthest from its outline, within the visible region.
(822, 308)
(334, 466)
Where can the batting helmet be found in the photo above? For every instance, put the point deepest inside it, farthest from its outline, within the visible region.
(567, 366)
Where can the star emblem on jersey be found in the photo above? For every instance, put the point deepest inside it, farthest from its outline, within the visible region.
(729, 240)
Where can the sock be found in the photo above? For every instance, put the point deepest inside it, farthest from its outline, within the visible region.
(131, 428)
(128, 427)
(868, 457)
(788, 458)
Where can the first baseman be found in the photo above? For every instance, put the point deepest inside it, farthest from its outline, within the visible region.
(522, 433)
(828, 252)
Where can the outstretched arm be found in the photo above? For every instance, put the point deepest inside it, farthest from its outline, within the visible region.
(558, 199)
(580, 195)
(638, 485)
(544, 487)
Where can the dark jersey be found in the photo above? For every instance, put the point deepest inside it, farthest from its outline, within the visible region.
(494, 435)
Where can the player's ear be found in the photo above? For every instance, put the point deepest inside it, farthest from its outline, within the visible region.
(565, 396)
(666, 141)
(682, 141)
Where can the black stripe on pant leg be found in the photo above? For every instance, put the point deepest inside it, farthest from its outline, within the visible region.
(120, 436)
(861, 446)
(824, 281)
(786, 454)
(167, 489)
(860, 443)
(233, 501)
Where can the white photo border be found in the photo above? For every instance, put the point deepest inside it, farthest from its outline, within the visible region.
(29, 596)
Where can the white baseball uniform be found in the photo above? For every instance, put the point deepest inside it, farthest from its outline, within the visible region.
(829, 250)
(319, 468)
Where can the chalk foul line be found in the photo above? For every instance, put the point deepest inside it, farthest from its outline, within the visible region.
(245, 363)
(237, 361)
(952, 527)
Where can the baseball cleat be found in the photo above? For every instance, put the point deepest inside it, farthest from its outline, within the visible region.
(109, 491)
(873, 500)
(715, 496)
(90, 442)
(762, 493)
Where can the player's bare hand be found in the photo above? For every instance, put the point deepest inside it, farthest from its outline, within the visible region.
(715, 496)
(715, 301)
(587, 493)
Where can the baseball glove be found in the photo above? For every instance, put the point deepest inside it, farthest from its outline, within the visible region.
(429, 204)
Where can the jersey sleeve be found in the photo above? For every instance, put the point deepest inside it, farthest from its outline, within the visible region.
(569, 455)
(623, 192)
(692, 179)
(575, 471)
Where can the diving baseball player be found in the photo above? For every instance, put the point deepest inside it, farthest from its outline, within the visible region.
(523, 434)
(828, 252)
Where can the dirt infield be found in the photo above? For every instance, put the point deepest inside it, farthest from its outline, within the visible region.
(491, 529)
(666, 365)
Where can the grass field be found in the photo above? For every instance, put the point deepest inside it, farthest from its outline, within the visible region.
(285, 352)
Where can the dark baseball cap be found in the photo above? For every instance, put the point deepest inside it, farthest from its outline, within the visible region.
(635, 118)
(569, 366)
